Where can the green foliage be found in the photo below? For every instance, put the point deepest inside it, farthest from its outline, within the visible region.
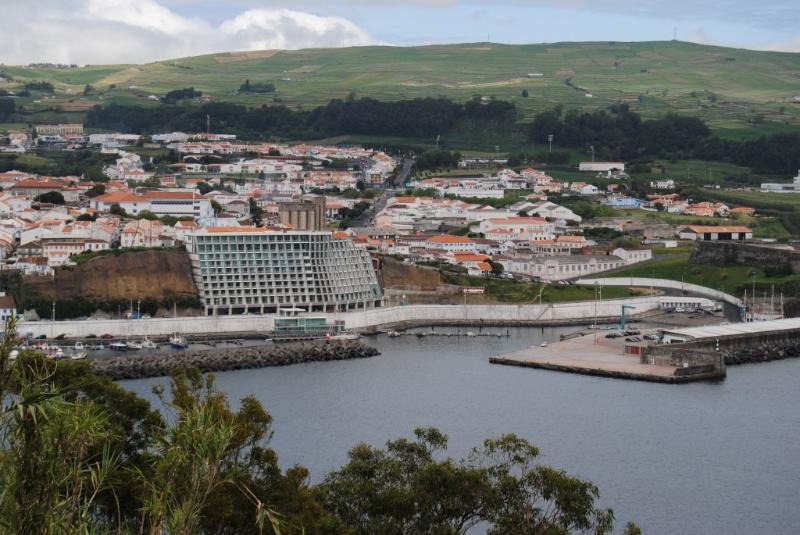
(181, 94)
(602, 233)
(588, 209)
(408, 487)
(43, 87)
(264, 87)
(432, 160)
(117, 210)
(7, 108)
(51, 197)
(89, 255)
(96, 190)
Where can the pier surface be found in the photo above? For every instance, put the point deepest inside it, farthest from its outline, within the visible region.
(594, 354)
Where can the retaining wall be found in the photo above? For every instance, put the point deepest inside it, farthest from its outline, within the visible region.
(644, 282)
(362, 319)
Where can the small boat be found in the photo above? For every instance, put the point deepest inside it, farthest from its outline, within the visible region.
(393, 334)
(118, 346)
(78, 346)
(343, 336)
(543, 344)
(177, 341)
(135, 346)
(78, 355)
(470, 333)
(149, 344)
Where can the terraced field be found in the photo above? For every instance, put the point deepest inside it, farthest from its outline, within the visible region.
(739, 92)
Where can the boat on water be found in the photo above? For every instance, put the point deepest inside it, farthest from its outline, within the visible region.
(78, 355)
(79, 346)
(148, 344)
(178, 342)
(134, 346)
(343, 336)
(118, 346)
(393, 334)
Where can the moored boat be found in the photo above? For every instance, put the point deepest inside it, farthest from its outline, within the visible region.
(178, 342)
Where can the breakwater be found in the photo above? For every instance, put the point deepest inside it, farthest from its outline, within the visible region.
(142, 366)
(762, 352)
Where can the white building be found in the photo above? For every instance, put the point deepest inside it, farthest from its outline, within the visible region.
(161, 203)
(248, 269)
(633, 256)
(781, 187)
(601, 167)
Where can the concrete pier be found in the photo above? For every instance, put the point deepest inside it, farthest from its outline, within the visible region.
(594, 354)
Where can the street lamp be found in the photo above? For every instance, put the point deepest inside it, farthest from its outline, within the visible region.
(592, 147)
(550, 141)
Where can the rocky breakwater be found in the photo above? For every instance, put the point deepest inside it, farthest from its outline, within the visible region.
(761, 352)
(142, 366)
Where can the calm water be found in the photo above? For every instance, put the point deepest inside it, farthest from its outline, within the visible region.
(703, 458)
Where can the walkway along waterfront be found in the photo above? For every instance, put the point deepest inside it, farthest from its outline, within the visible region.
(365, 320)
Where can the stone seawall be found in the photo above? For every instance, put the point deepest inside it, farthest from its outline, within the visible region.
(759, 352)
(142, 366)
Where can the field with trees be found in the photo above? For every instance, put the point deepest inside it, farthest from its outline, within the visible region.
(740, 93)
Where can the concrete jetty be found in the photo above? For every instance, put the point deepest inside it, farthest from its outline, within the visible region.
(594, 354)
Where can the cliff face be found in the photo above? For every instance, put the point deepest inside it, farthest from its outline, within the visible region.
(721, 253)
(154, 274)
(400, 275)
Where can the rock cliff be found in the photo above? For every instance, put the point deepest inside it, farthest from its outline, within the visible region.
(157, 275)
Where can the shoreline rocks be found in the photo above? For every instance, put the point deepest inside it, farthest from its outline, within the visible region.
(761, 353)
(243, 358)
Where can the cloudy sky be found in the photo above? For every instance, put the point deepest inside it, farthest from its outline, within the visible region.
(136, 31)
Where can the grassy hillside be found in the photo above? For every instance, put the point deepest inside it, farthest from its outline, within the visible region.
(733, 278)
(739, 92)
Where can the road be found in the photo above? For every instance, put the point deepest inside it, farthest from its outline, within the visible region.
(397, 181)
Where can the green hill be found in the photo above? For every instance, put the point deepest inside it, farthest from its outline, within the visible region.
(738, 92)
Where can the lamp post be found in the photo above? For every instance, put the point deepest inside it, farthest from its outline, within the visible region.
(550, 141)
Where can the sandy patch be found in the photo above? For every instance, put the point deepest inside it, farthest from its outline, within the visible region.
(232, 57)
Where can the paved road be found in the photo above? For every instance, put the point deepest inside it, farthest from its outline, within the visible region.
(380, 201)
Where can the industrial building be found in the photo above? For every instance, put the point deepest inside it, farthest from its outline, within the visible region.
(308, 214)
(260, 270)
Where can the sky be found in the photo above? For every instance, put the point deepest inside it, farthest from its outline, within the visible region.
(140, 31)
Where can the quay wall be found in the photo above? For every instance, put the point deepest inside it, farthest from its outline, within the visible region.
(409, 315)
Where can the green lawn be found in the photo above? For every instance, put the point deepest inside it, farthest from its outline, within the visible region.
(732, 279)
(510, 291)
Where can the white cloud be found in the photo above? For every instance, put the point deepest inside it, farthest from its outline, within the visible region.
(791, 45)
(136, 31)
(286, 28)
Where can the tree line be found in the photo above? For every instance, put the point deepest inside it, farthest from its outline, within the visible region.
(621, 134)
(80, 454)
(421, 117)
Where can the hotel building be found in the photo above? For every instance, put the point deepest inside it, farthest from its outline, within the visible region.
(258, 270)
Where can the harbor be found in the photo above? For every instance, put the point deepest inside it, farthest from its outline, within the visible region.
(596, 354)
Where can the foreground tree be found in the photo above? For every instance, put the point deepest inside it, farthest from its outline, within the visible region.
(410, 488)
(80, 454)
